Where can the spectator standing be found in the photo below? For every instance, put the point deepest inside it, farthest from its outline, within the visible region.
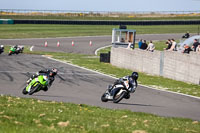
(140, 43)
(151, 47)
(144, 45)
(195, 45)
(174, 46)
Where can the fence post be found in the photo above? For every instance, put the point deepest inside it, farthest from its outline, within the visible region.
(161, 63)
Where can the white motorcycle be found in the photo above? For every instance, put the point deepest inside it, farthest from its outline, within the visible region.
(1, 49)
(120, 90)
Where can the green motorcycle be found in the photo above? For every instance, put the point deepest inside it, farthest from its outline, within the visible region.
(37, 84)
(13, 51)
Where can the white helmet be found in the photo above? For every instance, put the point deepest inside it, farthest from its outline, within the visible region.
(2, 46)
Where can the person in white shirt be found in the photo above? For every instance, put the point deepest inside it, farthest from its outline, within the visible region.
(174, 45)
(151, 47)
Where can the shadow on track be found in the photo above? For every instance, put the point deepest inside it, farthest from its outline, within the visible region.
(47, 95)
(137, 104)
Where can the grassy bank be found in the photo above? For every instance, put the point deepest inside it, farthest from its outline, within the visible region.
(19, 115)
(43, 30)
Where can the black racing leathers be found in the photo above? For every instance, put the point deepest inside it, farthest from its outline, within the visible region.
(131, 81)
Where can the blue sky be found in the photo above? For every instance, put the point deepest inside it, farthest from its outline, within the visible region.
(103, 5)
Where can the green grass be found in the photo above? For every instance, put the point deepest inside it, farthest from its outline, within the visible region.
(20, 115)
(43, 30)
(159, 45)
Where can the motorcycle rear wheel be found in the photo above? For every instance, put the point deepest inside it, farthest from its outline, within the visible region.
(34, 89)
(118, 98)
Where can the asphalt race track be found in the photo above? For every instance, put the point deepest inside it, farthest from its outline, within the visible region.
(81, 44)
(77, 85)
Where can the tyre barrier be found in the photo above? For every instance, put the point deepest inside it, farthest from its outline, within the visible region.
(82, 22)
(105, 57)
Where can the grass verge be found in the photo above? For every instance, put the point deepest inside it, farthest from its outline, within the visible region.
(31, 115)
(45, 30)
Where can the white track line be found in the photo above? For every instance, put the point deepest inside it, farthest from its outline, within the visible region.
(117, 78)
(96, 51)
(79, 67)
(31, 49)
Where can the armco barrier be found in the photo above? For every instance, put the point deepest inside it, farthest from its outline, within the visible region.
(82, 22)
(174, 65)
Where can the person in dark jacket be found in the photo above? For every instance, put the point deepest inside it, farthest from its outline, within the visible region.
(195, 45)
(187, 49)
(169, 44)
(144, 45)
(187, 35)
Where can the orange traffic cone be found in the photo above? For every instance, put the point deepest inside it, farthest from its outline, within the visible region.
(45, 44)
(58, 44)
(72, 43)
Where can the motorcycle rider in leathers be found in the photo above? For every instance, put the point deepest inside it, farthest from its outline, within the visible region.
(132, 80)
(1, 49)
(51, 73)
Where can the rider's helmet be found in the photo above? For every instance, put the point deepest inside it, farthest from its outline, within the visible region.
(134, 75)
(2, 46)
(16, 46)
(53, 72)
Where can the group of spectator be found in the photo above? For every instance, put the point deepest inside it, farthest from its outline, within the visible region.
(142, 44)
(195, 47)
(171, 45)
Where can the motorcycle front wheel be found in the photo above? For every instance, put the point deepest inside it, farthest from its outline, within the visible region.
(103, 98)
(24, 91)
